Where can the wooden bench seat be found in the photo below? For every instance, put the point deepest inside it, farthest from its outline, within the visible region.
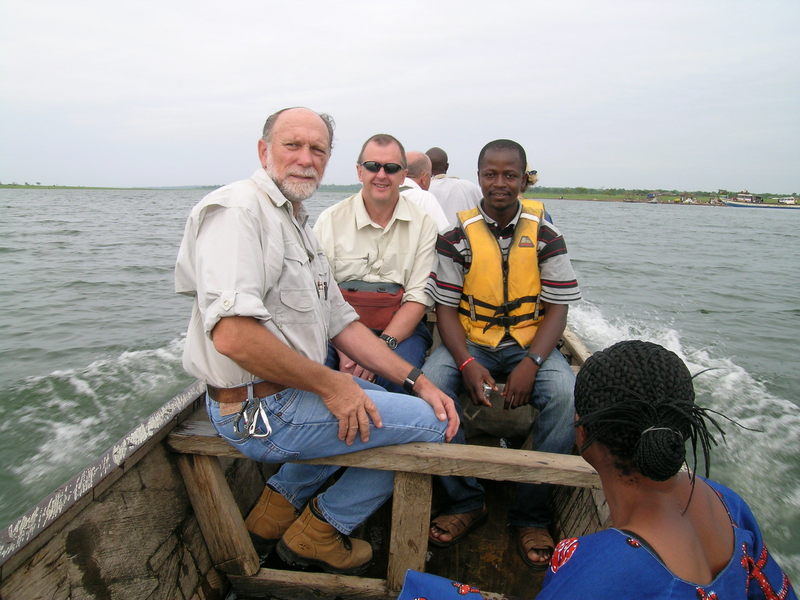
(232, 551)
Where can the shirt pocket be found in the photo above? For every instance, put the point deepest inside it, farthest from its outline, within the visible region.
(346, 268)
(297, 305)
(297, 289)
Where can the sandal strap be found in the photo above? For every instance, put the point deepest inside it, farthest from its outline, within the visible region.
(457, 524)
(536, 538)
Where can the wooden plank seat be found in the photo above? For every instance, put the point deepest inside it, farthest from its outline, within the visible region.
(223, 526)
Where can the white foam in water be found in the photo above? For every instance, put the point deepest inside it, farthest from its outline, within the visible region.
(761, 466)
(74, 415)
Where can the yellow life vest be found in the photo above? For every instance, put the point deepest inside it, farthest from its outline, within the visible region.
(502, 297)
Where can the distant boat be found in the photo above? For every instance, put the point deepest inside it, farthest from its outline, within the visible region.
(740, 204)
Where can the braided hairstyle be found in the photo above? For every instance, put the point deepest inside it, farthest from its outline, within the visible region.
(637, 399)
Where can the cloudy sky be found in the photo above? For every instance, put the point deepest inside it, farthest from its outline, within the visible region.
(679, 94)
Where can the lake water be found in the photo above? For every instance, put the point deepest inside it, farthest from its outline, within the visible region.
(91, 332)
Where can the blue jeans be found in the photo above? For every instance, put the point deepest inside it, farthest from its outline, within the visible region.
(554, 429)
(303, 427)
(412, 350)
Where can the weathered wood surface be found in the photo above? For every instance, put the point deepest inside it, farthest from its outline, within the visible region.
(197, 436)
(218, 514)
(136, 540)
(278, 584)
(409, 533)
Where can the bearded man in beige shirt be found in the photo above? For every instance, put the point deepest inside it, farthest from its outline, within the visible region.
(264, 307)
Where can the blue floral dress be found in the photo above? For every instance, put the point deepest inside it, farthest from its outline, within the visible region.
(615, 564)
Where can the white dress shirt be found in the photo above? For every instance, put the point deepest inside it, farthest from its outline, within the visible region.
(454, 195)
(427, 201)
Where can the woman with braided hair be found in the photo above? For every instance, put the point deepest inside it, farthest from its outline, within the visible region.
(675, 535)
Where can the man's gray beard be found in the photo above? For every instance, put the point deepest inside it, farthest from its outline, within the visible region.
(297, 192)
(293, 191)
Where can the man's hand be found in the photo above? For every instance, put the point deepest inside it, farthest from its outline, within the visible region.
(519, 384)
(352, 407)
(348, 365)
(443, 406)
(474, 376)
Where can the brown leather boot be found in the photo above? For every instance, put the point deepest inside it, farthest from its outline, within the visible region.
(311, 540)
(270, 518)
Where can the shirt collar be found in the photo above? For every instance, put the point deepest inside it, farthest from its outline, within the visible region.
(271, 190)
(402, 212)
(410, 183)
(494, 227)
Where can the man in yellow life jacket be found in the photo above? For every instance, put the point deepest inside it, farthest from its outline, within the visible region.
(502, 284)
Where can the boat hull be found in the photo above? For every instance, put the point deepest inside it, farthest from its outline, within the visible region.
(759, 205)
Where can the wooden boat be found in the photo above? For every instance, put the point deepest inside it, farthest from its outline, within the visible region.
(159, 515)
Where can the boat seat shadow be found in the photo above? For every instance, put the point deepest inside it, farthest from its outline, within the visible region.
(200, 449)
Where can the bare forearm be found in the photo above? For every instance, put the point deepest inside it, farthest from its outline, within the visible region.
(452, 332)
(405, 320)
(254, 348)
(369, 351)
(550, 329)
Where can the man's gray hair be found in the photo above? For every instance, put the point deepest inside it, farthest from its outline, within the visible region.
(269, 125)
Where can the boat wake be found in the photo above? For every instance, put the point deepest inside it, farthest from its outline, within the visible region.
(58, 423)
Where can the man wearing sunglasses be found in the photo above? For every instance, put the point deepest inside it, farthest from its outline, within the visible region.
(265, 305)
(381, 247)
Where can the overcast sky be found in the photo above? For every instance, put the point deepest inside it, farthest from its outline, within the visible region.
(690, 95)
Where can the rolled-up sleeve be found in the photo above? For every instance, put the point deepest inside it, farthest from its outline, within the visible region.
(230, 266)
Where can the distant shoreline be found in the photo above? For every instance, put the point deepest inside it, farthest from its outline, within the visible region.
(617, 195)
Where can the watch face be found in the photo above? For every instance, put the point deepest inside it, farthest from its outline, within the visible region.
(390, 341)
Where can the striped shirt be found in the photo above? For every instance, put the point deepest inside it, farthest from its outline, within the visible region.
(454, 258)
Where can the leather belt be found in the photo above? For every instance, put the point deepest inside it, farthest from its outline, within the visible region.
(239, 394)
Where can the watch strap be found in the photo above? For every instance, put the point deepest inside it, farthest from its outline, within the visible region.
(390, 340)
(536, 358)
(411, 379)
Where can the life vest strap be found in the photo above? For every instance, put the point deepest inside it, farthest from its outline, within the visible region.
(501, 320)
(502, 308)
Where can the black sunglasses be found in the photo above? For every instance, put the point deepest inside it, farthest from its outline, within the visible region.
(374, 167)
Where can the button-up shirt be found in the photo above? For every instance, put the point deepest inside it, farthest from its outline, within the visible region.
(403, 252)
(245, 254)
(427, 201)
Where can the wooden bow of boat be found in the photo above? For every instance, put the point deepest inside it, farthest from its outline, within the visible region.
(160, 515)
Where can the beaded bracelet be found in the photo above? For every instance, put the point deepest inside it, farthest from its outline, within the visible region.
(465, 363)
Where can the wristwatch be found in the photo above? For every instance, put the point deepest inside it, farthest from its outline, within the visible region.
(536, 358)
(411, 379)
(390, 341)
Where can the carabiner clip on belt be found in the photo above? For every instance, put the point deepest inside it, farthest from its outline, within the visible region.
(252, 410)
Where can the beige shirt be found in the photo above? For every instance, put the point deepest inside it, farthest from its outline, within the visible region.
(403, 252)
(244, 254)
